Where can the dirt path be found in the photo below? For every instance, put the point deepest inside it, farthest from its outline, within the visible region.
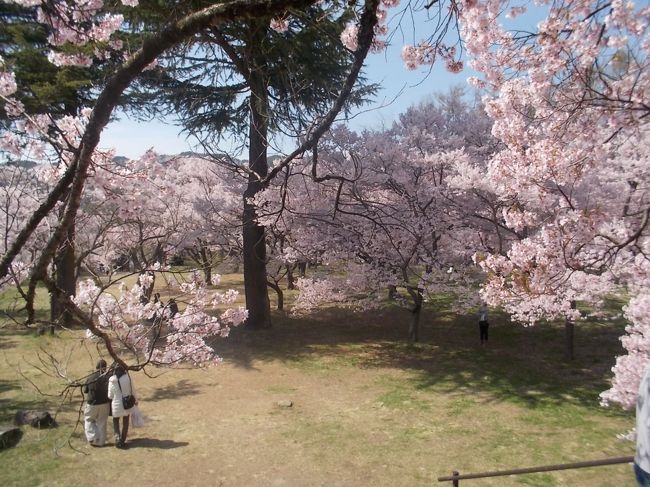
(224, 426)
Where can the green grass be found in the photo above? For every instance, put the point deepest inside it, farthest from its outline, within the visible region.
(12, 307)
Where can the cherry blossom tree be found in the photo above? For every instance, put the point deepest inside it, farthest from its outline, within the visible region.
(570, 106)
(213, 192)
(21, 189)
(384, 214)
(147, 329)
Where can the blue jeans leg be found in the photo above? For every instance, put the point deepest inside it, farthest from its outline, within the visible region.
(642, 477)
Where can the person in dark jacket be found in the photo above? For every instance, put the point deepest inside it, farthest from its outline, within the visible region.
(483, 324)
(97, 407)
(172, 306)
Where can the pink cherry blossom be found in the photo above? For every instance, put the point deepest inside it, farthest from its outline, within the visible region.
(7, 84)
(280, 25)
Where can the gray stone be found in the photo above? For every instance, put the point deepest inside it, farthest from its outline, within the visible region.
(285, 403)
(37, 419)
(9, 436)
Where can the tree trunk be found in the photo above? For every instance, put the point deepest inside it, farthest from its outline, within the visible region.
(392, 292)
(569, 332)
(254, 241)
(414, 327)
(66, 281)
(134, 261)
(158, 255)
(206, 264)
(569, 329)
(290, 281)
(280, 294)
(147, 292)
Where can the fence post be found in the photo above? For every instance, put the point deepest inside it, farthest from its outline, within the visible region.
(455, 482)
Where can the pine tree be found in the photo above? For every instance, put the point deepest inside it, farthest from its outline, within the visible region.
(250, 83)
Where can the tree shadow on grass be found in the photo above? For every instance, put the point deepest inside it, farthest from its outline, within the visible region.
(526, 365)
(8, 334)
(6, 343)
(9, 406)
(156, 443)
(181, 388)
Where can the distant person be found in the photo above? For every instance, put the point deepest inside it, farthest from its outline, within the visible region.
(97, 408)
(642, 456)
(172, 307)
(119, 386)
(483, 323)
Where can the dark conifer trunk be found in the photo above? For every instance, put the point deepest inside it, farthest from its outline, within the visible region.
(254, 242)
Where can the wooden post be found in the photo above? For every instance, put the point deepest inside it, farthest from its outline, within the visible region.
(455, 482)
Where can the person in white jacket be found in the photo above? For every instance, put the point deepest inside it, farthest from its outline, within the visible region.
(120, 385)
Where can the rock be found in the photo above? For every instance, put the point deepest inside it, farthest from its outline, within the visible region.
(37, 419)
(285, 403)
(9, 436)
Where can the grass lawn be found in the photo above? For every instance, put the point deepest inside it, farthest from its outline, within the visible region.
(368, 407)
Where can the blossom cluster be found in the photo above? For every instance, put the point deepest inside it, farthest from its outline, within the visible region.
(350, 35)
(573, 164)
(397, 221)
(151, 331)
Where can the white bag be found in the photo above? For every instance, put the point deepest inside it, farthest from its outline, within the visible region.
(137, 418)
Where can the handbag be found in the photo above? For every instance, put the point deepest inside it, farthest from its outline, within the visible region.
(127, 401)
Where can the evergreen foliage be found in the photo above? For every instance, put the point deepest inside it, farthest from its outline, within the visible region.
(42, 86)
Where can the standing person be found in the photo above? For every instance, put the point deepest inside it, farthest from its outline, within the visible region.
(642, 456)
(483, 323)
(173, 307)
(119, 386)
(97, 406)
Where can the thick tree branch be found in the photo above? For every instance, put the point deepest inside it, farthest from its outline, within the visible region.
(107, 101)
(366, 35)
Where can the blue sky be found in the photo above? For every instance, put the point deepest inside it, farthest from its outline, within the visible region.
(401, 88)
